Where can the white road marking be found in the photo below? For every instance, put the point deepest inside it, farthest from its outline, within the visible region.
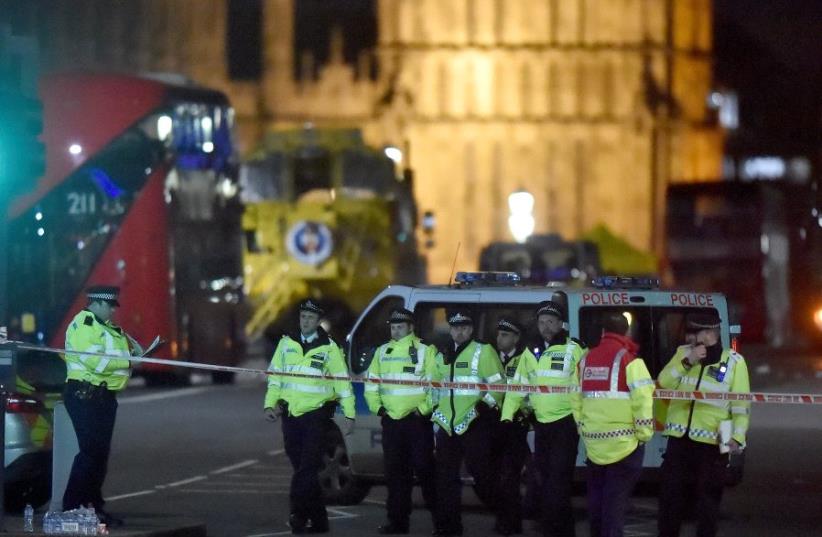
(340, 514)
(261, 488)
(256, 475)
(375, 502)
(130, 495)
(234, 467)
(236, 491)
(184, 481)
(162, 395)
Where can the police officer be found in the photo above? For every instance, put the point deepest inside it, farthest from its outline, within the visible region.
(614, 413)
(466, 420)
(511, 440)
(92, 383)
(407, 434)
(306, 406)
(555, 432)
(692, 427)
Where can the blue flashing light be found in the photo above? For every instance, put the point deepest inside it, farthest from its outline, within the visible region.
(623, 282)
(106, 183)
(487, 277)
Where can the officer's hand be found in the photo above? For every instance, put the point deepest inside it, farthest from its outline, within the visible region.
(734, 446)
(696, 354)
(136, 348)
(484, 410)
(273, 413)
(348, 426)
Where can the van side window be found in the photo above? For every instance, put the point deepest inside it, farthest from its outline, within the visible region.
(371, 333)
(433, 323)
(657, 331)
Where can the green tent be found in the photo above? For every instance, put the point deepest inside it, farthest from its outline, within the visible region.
(618, 257)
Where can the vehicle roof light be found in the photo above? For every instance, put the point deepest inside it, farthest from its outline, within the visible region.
(488, 277)
(624, 282)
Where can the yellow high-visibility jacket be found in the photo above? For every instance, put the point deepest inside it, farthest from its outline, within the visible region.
(516, 401)
(554, 366)
(404, 359)
(701, 418)
(474, 362)
(88, 333)
(320, 357)
(614, 407)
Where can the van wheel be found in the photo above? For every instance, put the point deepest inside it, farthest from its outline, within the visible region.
(36, 492)
(337, 481)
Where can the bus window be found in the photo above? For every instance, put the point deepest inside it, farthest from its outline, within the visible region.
(371, 333)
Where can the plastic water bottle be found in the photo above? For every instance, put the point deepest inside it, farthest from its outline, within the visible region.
(69, 523)
(48, 523)
(89, 523)
(28, 519)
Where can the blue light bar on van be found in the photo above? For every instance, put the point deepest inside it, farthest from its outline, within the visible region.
(623, 282)
(488, 277)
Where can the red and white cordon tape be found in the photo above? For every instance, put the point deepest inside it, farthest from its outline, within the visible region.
(754, 397)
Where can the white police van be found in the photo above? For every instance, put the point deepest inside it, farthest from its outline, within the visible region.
(656, 318)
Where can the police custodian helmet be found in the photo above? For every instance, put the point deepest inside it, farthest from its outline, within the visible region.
(104, 293)
(401, 315)
(509, 325)
(311, 307)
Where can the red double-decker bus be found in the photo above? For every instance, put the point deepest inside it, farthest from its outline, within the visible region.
(140, 191)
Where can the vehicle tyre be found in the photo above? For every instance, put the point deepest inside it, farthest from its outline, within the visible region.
(36, 492)
(222, 377)
(337, 481)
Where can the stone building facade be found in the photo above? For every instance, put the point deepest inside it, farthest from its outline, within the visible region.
(593, 106)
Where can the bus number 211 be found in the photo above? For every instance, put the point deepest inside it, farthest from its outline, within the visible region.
(82, 203)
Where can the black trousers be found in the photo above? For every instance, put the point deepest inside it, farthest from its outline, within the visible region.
(304, 439)
(510, 453)
(555, 454)
(690, 470)
(474, 445)
(609, 492)
(93, 411)
(408, 449)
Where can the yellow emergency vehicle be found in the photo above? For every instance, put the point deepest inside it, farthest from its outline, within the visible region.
(325, 216)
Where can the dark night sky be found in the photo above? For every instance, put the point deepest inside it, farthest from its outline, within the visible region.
(770, 52)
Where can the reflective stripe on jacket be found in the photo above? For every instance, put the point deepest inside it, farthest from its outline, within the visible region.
(614, 407)
(87, 333)
(306, 394)
(456, 409)
(555, 366)
(701, 418)
(405, 359)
